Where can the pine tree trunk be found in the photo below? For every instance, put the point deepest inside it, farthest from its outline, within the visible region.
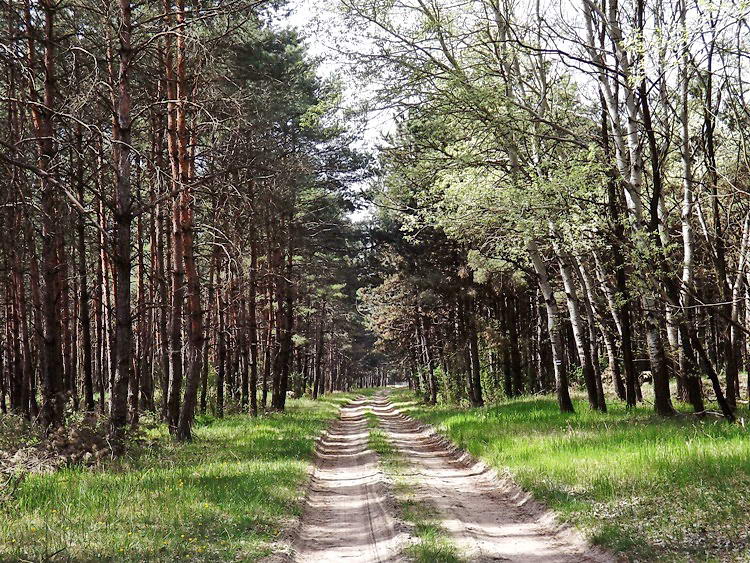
(221, 350)
(476, 374)
(123, 217)
(253, 325)
(51, 359)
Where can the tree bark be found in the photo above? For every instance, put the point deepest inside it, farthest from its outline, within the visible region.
(123, 215)
(553, 328)
(51, 361)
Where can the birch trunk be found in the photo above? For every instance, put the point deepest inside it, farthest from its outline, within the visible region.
(576, 323)
(553, 328)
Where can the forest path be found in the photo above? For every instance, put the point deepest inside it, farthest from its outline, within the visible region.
(347, 516)
(488, 520)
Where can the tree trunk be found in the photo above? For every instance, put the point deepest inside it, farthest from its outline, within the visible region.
(476, 374)
(51, 360)
(221, 349)
(121, 142)
(253, 325)
(553, 328)
(576, 323)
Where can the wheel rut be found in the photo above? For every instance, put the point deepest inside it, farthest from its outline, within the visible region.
(487, 519)
(348, 516)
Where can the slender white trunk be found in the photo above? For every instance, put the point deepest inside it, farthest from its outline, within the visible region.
(553, 327)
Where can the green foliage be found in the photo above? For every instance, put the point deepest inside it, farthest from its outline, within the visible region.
(16, 432)
(451, 386)
(492, 385)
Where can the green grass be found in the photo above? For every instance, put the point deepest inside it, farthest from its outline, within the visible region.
(653, 489)
(378, 442)
(225, 496)
(433, 545)
(366, 391)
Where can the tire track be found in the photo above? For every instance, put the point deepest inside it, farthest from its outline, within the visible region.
(488, 519)
(347, 516)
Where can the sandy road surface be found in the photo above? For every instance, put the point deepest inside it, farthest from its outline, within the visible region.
(348, 516)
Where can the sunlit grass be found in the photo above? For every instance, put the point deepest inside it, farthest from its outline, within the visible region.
(673, 490)
(225, 496)
(434, 545)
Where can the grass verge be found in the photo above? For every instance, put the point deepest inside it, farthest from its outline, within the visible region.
(649, 488)
(224, 496)
(434, 546)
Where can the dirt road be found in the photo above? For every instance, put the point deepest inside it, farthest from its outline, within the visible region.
(348, 516)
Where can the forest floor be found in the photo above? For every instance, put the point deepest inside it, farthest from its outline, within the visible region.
(228, 495)
(648, 488)
(447, 507)
(386, 487)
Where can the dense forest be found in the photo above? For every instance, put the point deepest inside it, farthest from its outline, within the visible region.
(553, 208)
(176, 214)
(499, 249)
(564, 200)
